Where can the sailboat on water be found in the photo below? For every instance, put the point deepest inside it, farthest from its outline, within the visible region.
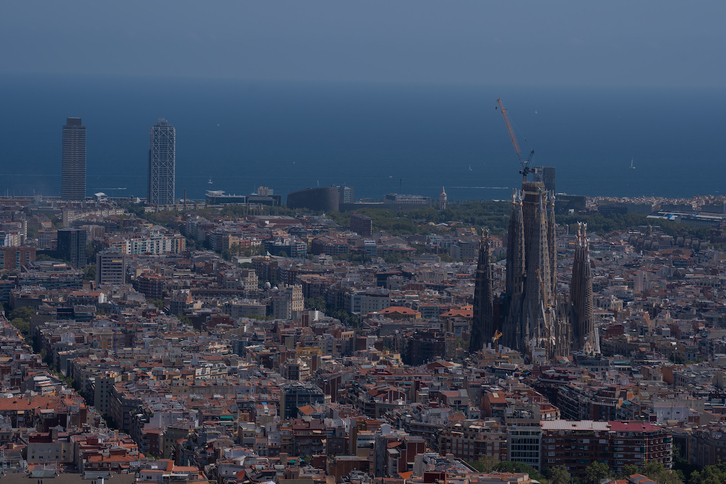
(632, 167)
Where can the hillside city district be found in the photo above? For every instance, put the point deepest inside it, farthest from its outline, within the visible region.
(250, 348)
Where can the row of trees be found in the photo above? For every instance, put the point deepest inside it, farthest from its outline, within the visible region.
(603, 224)
(492, 214)
(597, 471)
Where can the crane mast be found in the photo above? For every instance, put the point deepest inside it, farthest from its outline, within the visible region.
(525, 164)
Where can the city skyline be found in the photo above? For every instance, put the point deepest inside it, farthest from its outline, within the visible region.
(430, 331)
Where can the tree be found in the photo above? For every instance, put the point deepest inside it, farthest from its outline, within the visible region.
(89, 273)
(486, 463)
(22, 325)
(23, 313)
(629, 470)
(90, 251)
(315, 303)
(518, 467)
(660, 474)
(185, 320)
(595, 472)
(559, 475)
(709, 475)
(234, 249)
(159, 303)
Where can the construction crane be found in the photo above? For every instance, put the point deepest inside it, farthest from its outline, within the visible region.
(497, 335)
(526, 170)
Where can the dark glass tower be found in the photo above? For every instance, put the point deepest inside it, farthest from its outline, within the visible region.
(72, 247)
(162, 163)
(74, 160)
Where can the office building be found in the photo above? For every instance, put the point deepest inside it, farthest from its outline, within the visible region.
(361, 224)
(546, 175)
(577, 444)
(111, 268)
(74, 160)
(13, 258)
(321, 199)
(288, 302)
(72, 247)
(162, 163)
(346, 195)
(297, 395)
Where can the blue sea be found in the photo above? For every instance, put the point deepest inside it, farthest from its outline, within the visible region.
(379, 138)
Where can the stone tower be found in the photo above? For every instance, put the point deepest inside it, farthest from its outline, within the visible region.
(483, 323)
(533, 319)
(442, 199)
(581, 301)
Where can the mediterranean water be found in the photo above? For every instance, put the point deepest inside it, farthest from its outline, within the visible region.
(237, 135)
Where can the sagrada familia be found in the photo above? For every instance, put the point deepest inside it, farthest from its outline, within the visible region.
(531, 315)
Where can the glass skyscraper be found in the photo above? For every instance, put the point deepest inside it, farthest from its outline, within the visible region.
(74, 160)
(162, 163)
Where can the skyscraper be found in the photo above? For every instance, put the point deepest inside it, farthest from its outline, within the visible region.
(74, 160)
(162, 163)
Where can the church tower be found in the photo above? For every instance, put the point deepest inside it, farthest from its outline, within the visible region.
(442, 199)
(581, 299)
(532, 318)
(483, 324)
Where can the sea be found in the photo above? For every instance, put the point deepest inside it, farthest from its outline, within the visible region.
(237, 135)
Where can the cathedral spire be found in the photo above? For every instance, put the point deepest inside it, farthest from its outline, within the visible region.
(483, 324)
(581, 297)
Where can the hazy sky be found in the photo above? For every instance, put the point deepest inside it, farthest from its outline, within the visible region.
(612, 43)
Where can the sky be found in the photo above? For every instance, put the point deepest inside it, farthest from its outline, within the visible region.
(644, 43)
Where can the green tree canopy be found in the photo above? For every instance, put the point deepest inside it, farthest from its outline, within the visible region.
(595, 472)
(655, 470)
(559, 475)
(629, 470)
(486, 463)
